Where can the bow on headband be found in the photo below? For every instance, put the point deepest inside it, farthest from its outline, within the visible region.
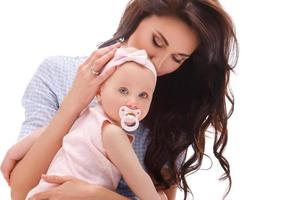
(126, 54)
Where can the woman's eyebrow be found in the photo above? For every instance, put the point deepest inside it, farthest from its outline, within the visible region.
(167, 43)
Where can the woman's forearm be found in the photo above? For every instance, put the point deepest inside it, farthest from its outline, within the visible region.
(18, 150)
(28, 171)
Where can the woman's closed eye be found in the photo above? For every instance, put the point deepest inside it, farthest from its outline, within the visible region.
(123, 90)
(178, 59)
(158, 42)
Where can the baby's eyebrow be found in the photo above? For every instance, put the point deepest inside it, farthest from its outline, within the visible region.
(148, 90)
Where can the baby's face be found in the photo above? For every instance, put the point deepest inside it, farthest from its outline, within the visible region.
(131, 85)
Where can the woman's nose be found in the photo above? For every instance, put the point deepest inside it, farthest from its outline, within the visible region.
(157, 61)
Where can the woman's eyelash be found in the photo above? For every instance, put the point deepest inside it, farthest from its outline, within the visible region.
(155, 42)
(178, 61)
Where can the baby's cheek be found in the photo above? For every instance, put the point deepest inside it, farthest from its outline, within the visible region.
(145, 112)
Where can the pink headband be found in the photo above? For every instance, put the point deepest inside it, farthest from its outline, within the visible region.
(126, 54)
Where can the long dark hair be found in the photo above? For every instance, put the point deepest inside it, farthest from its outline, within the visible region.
(193, 98)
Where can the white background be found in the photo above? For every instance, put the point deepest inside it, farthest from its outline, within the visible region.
(263, 132)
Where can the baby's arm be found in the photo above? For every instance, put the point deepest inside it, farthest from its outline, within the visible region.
(120, 152)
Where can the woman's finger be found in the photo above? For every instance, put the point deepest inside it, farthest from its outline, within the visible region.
(6, 168)
(101, 62)
(102, 77)
(99, 53)
(56, 179)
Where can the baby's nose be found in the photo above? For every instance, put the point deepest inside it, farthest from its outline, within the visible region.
(132, 104)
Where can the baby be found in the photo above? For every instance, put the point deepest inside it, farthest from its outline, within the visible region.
(98, 148)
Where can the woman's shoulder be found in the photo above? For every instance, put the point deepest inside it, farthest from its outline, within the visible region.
(61, 64)
(58, 72)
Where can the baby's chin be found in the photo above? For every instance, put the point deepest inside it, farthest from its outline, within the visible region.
(115, 121)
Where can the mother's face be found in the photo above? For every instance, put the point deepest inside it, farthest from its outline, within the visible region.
(167, 40)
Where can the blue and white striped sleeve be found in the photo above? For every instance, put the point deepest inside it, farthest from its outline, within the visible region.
(39, 100)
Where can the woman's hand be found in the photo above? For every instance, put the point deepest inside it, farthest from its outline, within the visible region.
(17, 152)
(7, 165)
(69, 188)
(88, 81)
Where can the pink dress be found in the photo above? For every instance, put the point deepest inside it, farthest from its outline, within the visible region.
(82, 154)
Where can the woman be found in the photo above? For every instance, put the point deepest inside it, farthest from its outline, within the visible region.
(189, 43)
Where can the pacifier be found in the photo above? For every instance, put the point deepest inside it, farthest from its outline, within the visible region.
(129, 118)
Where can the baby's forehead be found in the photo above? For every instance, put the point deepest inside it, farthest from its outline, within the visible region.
(134, 68)
(135, 75)
(132, 64)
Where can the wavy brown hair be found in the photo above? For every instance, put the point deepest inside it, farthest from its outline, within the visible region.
(193, 98)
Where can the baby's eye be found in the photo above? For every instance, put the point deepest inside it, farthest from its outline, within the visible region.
(123, 90)
(144, 95)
